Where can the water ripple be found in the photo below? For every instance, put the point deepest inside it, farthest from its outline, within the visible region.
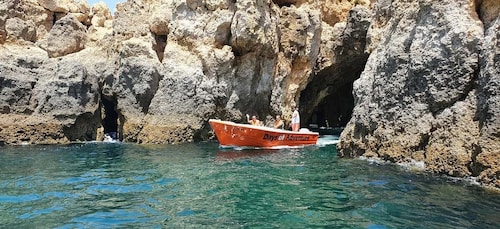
(40, 212)
(19, 198)
(118, 189)
(199, 185)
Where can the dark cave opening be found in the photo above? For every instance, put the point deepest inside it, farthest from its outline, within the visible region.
(110, 120)
(328, 99)
(159, 45)
(284, 3)
(335, 109)
(329, 106)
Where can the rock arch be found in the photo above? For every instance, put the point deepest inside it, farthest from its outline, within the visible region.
(328, 97)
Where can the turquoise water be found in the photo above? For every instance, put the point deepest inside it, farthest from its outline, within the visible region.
(99, 185)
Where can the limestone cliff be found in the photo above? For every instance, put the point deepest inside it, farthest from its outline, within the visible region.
(156, 71)
(410, 80)
(429, 90)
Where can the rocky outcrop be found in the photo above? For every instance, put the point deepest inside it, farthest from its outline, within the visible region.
(486, 158)
(426, 90)
(156, 71)
(23, 30)
(162, 68)
(67, 36)
(44, 100)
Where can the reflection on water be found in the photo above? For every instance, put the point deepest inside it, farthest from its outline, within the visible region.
(241, 154)
(98, 185)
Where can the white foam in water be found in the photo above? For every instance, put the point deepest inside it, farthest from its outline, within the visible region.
(322, 141)
(327, 140)
(472, 180)
(249, 147)
(373, 160)
(413, 165)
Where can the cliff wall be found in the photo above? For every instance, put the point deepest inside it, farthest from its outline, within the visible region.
(156, 71)
(411, 80)
(429, 90)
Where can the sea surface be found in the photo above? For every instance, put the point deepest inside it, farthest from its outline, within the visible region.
(199, 185)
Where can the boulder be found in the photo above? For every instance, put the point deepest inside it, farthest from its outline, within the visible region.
(100, 14)
(67, 36)
(254, 28)
(58, 6)
(18, 29)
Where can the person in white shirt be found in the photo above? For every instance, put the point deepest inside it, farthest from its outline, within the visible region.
(295, 120)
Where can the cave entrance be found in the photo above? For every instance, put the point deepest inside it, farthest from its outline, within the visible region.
(110, 120)
(328, 97)
(328, 101)
(159, 45)
(327, 106)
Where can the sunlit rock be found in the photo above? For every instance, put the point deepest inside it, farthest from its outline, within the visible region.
(67, 36)
(18, 29)
(415, 80)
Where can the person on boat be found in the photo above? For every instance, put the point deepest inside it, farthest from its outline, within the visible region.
(295, 119)
(254, 121)
(278, 123)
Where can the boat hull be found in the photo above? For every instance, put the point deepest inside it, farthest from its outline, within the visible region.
(230, 134)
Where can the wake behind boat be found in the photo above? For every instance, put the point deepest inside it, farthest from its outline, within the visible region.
(232, 134)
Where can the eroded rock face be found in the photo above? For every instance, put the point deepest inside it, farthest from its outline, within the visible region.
(28, 11)
(46, 101)
(487, 156)
(334, 11)
(20, 29)
(67, 36)
(300, 42)
(329, 94)
(418, 96)
(156, 71)
(159, 62)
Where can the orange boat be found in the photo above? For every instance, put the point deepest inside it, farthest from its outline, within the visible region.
(232, 134)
